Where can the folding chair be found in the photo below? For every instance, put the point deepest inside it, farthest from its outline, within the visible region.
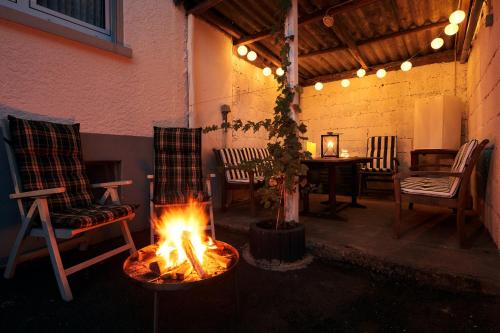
(177, 173)
(50, 182)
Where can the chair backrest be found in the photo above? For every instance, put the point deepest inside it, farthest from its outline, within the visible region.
(383, 151)
(177, 165)
(234, 157)
(49, 155)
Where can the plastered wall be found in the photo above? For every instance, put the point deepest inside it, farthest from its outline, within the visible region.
(483, 93)
(371, 106)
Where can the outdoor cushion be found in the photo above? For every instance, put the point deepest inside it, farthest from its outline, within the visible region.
(234, 157)
(76, 218)
(445, 187)
(383, 151)
(177, 167)
(49, 155)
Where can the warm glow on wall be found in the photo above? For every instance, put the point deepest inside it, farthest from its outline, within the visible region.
(311, 148)
(381, 73)
(361, 72)
(457, 17)
(267, 71)
(251, 56)
(437, 43)
(451, 29)
(280, 71)
(406, 66)
(318, 86)
(242, 50)
(345, 83)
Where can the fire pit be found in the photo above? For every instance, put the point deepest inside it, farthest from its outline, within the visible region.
(184, 256)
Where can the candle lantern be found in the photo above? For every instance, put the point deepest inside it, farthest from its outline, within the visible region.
(330, 145)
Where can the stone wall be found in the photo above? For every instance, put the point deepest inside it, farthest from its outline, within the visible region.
(483, 93)
(372, 106)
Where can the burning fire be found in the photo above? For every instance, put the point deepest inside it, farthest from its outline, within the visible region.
(177, 226)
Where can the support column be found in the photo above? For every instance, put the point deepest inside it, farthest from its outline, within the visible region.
(292, 29)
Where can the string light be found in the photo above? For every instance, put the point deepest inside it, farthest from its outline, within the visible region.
(451, 29)
(242, 50)
(361, 72)
(457, 17)
(437, 43)
(345, 83)
(381, 73)
(251, 56)
(318, 86)
(267, 71)
(406, 66)
(280, 71)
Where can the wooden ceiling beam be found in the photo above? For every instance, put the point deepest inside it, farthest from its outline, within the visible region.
(475, 13)
(444, 56)
(345, 38)
(203, 7)
(308, 18)
(382, 38)
(465, 6)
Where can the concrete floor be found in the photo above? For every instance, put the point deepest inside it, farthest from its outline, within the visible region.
(427, 252)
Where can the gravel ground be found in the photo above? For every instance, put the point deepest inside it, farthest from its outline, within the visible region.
(324, 297)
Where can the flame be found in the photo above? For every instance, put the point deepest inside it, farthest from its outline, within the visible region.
(172, 224)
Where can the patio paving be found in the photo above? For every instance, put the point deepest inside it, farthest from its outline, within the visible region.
(321, 298)
(427, 252)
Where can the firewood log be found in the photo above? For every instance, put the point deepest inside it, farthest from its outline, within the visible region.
(220, 260)
(183, 271)
(188, 248)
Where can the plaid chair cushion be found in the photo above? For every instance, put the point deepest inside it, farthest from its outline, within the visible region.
(49, 155)
(76, 218)
(177, 167)
(383, 151)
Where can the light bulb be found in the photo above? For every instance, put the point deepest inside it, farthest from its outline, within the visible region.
(280, 71)
(361, 72)
(242, 50)
(457, 17)
(451, 29)
(437, 43)
(406, 66)
(251, 56)
(345, 83)
(381, 73)
(318, 86)
(267, 71)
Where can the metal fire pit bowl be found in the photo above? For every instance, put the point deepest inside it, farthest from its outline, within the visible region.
(148, 281)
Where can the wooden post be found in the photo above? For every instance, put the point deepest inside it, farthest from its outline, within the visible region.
(291, 200)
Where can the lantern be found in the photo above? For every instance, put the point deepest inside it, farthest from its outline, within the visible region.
(330, 145)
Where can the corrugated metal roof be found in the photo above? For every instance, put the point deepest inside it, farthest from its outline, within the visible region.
(371, 21)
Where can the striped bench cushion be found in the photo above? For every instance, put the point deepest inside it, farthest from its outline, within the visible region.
(445, 187)
(234, 157)
(383, 151)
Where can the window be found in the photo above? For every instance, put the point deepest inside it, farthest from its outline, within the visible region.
(93, 17)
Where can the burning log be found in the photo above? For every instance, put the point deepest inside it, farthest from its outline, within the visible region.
(157, 266)
(188, 248)
(183, 271)
(220, 260)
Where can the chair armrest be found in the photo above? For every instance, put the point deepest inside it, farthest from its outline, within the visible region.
(112, 184)
(402, 175)
(38, 193)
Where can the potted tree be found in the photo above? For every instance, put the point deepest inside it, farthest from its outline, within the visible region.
(278, 238)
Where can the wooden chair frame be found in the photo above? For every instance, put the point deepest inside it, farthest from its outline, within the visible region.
(152, 206)
(458, 202)
(51, 234)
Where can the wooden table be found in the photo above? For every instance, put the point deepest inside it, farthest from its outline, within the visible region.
(331, 164)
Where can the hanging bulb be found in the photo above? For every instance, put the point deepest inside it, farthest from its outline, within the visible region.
(345, 83)
(406, 66)
(280, 71)
(437, 43)
(267, 71)
(251, 56)
(451, 29)
(242, 50)
(457, 17)
(318, 86)
(361, 72)
(381, 73)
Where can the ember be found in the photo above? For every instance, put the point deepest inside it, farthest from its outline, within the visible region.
(184, 253)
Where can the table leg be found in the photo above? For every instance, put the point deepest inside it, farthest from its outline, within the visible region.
(332, 193)
(355, 187)
(155, 313)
